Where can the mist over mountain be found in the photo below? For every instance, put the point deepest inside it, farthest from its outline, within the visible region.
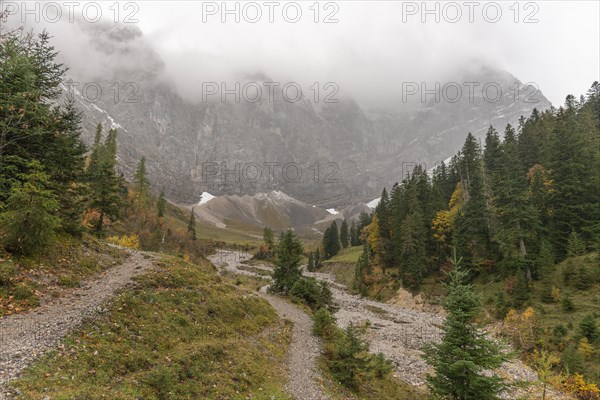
(326, 153)
(319, 202)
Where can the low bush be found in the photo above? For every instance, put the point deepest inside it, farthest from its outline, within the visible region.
(347, 354)
(350, 361)
(314, 294)
(324, 324)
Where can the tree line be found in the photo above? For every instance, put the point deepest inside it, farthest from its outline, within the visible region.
(506, 206)
(50, 182)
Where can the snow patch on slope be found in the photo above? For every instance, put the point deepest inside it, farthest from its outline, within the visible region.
(332, 211)
(205, 197)
(373, 203)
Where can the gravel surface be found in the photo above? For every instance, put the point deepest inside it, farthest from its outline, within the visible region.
(25, 337)
(399, 333)
(396, 332)
(304, 376)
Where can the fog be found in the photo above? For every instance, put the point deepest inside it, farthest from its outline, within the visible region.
(369, 52)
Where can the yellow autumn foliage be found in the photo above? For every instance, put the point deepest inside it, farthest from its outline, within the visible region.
(577, 385)
(585, 348)
(371, 234)
(521, 328)
(131, 241)
(443, 222)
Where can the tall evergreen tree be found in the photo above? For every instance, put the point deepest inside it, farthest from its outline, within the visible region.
(575, 245)
(110, 146)
(364, 219)
(518, 222)
(472, 231)
(94, 159)
(344, 234)
(105, 196)
(362, 270)
(462, 359)
(331, 241)
(29, 223)
(317, 258)
(354, 240)
(104, 184)
(491, 154)
(287, 266)
(310, 266)
(574, 170)
(385, 249)
(469, 162)
(269, 237)
(141, 182)
(36, 126)
(191, 229)
(161, 205)
(545, 260)
(413, 253)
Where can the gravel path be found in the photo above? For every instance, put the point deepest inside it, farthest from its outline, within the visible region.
(25, 337)
(304, 377)
(399, 333)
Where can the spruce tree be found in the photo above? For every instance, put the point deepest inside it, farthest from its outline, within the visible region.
(269, 238)
(141, 182)
(28, 224)
(588, 327)
(36, 126)
(385, 249)
(96, 154)
(105, 194)
(517, 219)
(491, 154)
(583, 279)
(66, 173)
(462, 359)
(344, 234)
(335, 239)
(574, 172)
(354, 240)
(331, 241)
(545, 260)
(191, 229)
(412, 242)
(575, 246)
(362, 269)
(469, 161)
(161, 205)
(311, 263)
(110, 146)
(317, 258)
(287, 266)
(472, 224)
(364, 219)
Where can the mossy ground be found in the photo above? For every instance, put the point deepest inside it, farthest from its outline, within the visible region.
(179, 333)
(25, 280)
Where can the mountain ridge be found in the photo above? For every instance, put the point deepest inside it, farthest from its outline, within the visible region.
(343, 154)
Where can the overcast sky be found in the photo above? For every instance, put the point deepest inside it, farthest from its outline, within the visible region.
(375, 45)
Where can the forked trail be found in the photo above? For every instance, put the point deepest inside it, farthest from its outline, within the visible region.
(399, 333)
(304, 377)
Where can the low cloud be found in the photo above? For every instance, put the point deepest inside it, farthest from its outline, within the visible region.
(372, 49)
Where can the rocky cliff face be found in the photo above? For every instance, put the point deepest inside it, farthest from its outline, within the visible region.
(335, 154)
